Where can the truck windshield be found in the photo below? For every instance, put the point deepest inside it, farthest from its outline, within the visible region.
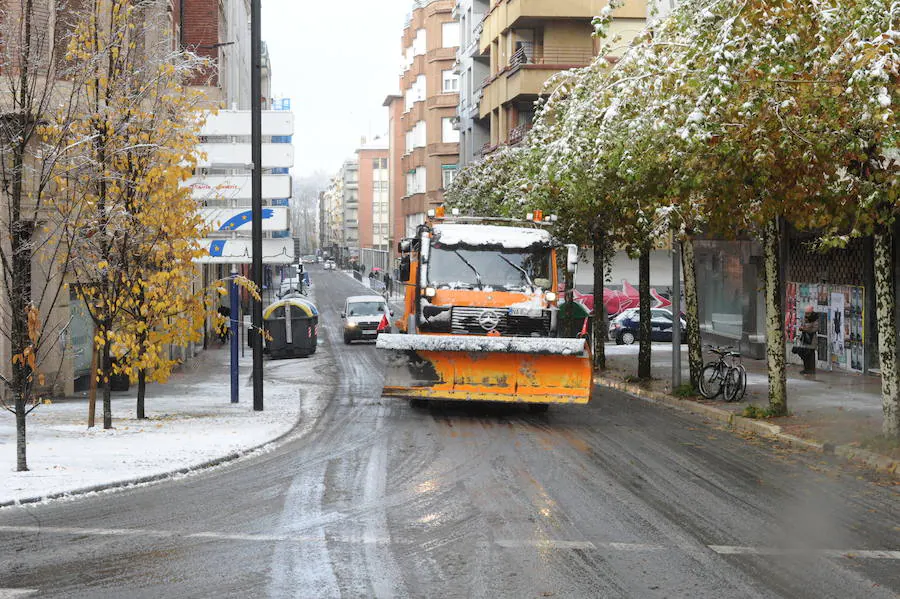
(463, 267)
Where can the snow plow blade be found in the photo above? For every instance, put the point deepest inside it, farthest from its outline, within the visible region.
(502, 369)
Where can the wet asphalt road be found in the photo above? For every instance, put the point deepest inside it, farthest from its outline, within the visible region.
(372, 498)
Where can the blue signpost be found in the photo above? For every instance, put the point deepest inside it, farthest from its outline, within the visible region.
(233, 324)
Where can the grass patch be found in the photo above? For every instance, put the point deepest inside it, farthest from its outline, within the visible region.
(757, 413)
(685, 390)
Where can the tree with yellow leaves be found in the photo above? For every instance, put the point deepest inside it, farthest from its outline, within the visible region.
(131, 227)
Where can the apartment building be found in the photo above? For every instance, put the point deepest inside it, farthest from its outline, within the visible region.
(374, 208)
(427, 130)
(473, 68)
(350, 208)
(396, 180)
(525, 42)
(220, 31)
(332, 217)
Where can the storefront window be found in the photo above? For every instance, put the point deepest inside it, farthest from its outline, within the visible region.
(720, 280)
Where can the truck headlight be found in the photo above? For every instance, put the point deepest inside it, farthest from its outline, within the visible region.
(550, 296)
(352, 325)
(430, 292)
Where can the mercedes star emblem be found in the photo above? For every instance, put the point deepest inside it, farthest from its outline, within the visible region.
(489, 320)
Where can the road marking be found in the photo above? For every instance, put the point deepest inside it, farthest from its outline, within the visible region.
(832, 553)
(13, 593)
(886, 554)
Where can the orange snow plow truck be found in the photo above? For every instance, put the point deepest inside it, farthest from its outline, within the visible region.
(480, 317)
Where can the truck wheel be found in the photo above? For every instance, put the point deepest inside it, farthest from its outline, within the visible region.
(538, 408)
(347, 339)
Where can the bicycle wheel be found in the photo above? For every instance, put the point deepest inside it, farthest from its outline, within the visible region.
(742, 372)
(731, 386)
(711, 380)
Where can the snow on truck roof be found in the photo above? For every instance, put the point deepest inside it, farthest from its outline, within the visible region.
(490, 235)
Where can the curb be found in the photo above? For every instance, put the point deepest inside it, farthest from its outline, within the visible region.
(124, 484)
(877, 462)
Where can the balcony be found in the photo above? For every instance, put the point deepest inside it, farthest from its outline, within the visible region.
(445, 100)
(517, 134)
(530, 54)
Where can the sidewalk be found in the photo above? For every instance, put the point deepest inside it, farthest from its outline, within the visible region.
(831, 411)
(191, 425)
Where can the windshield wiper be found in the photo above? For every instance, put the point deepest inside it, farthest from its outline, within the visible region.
(469, 264)
(519, 268)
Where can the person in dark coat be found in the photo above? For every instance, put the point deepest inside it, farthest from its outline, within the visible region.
(807, 346)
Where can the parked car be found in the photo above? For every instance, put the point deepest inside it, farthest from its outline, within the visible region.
(329, 265)
(309, 259)
(625, 327)
(362, 314)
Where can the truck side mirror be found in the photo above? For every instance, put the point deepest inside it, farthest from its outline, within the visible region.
(572, 258)
(404, 268)
(343, 315)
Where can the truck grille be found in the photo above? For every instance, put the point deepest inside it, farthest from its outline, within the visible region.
(472, 321)
(368, 326)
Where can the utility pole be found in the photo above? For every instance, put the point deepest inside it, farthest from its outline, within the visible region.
(256, 202)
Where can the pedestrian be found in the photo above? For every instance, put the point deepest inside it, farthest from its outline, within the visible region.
(806, 348)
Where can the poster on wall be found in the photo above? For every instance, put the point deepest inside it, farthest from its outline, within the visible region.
(841, 336)
(836, 328)
(790, 312)
(856, 318)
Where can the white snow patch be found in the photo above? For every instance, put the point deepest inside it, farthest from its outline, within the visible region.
(191, 421)
(459, 343)
(490, 235)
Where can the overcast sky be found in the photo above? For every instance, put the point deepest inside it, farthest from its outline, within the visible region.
(336, 60)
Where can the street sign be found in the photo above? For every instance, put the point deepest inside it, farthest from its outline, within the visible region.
(237, 123)
(237, 187)
(238, 155)
(239, 219)
(238, 251)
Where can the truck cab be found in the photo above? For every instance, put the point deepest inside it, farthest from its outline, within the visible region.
(481, 279)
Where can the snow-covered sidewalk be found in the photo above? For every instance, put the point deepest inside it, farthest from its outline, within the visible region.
(191, 423)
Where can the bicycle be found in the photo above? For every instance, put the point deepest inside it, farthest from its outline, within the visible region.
(726, 376)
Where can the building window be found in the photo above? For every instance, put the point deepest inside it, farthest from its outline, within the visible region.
(421, 179)
(449, 134)
(448, 173)
(419, 43)
(451, 82)
(450, 34)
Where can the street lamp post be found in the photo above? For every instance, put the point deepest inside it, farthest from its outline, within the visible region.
(256, 202)
(676, 314)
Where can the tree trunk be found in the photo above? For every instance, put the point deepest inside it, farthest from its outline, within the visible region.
(692, 310)
(107, 375)
(600, 327)
(142, 391)
(885, 306)
(644, 353)
(775, 356)
(21, 414)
